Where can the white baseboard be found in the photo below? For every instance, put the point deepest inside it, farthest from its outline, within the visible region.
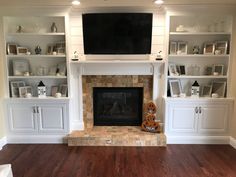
(232, 142)
(36, 139)
(197, 139)
(3, 142)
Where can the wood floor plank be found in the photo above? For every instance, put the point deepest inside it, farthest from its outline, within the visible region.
(53, 160)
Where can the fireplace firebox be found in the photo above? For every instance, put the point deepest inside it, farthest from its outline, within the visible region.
(117, 106)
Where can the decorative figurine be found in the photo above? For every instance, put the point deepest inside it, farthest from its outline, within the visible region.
(41, 90)
(19, 29)
(196, 49)
(75, 56)
(38, 50)
(54, 28)
(195, 89)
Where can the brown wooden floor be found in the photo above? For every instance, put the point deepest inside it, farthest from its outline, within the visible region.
(175, 160)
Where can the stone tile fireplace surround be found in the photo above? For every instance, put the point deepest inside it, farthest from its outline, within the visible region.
(111, 81)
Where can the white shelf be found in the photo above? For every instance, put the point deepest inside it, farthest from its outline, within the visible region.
(196, 77)
(117, 61)
(37, 77)
(35, 34)
(36, 56)
(198, 56)
(199, 33)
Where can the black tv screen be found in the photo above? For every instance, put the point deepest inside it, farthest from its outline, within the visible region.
(117, 33)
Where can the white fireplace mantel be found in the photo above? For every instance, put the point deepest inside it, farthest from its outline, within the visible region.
(119, 67)
(109, 67)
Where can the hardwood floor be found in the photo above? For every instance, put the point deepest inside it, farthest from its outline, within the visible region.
(174, 160)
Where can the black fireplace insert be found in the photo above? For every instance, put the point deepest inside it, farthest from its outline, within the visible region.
(117, 106)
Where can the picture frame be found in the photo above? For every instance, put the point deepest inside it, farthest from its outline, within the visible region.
(175, 88)
(61, 67)
(14, 85)
(22, 50)
(54, 90)
(12, 49)
(173, 48)
(51, 49)
(208, 70)
(182, 70)
(219, 87)
(182, 48)
(173, 70)
(222, 46)
(60, 51)
(20, 67)
(209, 48)
(218, 69)
(206, 90)
(24, 90)
(63, 90)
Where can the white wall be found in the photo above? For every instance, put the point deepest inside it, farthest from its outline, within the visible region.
(233, 77)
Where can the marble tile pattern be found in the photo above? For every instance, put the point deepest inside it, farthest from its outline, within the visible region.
(115, 136)
(111, 81)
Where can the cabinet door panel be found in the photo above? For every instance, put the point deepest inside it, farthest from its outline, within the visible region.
(22, 118)
(51, 118)
(182, 118)
(213, 118)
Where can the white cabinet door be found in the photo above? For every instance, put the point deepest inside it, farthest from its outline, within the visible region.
(182, 118)
(22, 118)
(213, 118)
(51, 118)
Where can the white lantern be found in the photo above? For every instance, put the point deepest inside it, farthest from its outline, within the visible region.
(195, 89)
(41, 90)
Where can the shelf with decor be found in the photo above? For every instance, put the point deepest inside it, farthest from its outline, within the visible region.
(199, 51)
(35, 52)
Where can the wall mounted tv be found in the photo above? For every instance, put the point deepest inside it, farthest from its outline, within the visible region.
(117, 33)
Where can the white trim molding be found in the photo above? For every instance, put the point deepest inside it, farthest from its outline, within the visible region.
(3, 142)
(197, 139)
(35, 139)
(232, 142)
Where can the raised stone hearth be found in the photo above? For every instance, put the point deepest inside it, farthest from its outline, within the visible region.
(115, 136)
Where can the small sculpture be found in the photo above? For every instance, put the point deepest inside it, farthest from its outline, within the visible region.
(196, 50)
(19, 29)
(53, 28)
(75, 56)
(38, 50)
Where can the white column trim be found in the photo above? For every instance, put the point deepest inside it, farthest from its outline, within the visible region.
(232, 142)
(3, 142)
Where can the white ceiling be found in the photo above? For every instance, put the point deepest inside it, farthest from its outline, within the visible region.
(111, 3)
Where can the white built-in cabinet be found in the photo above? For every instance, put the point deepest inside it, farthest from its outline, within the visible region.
(197, 117)
(33, 119)
(37, 118)
(193, 119)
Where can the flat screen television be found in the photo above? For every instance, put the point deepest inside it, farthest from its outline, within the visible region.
(117, 33)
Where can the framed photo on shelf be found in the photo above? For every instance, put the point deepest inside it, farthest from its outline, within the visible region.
(173, 48)
(206, 91)
(20, 67)
(173, 70)
(63, 90)
(175, 88)
(24, 90)
(11, 49)
(218, 70)
(14, 85)
(61, 67)
(222, 47)
(209, 48)
(218, 87)
(54, 90)
(182, 48)
(208, 70)
(22, 50)
(50, 49)
(182, 70)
